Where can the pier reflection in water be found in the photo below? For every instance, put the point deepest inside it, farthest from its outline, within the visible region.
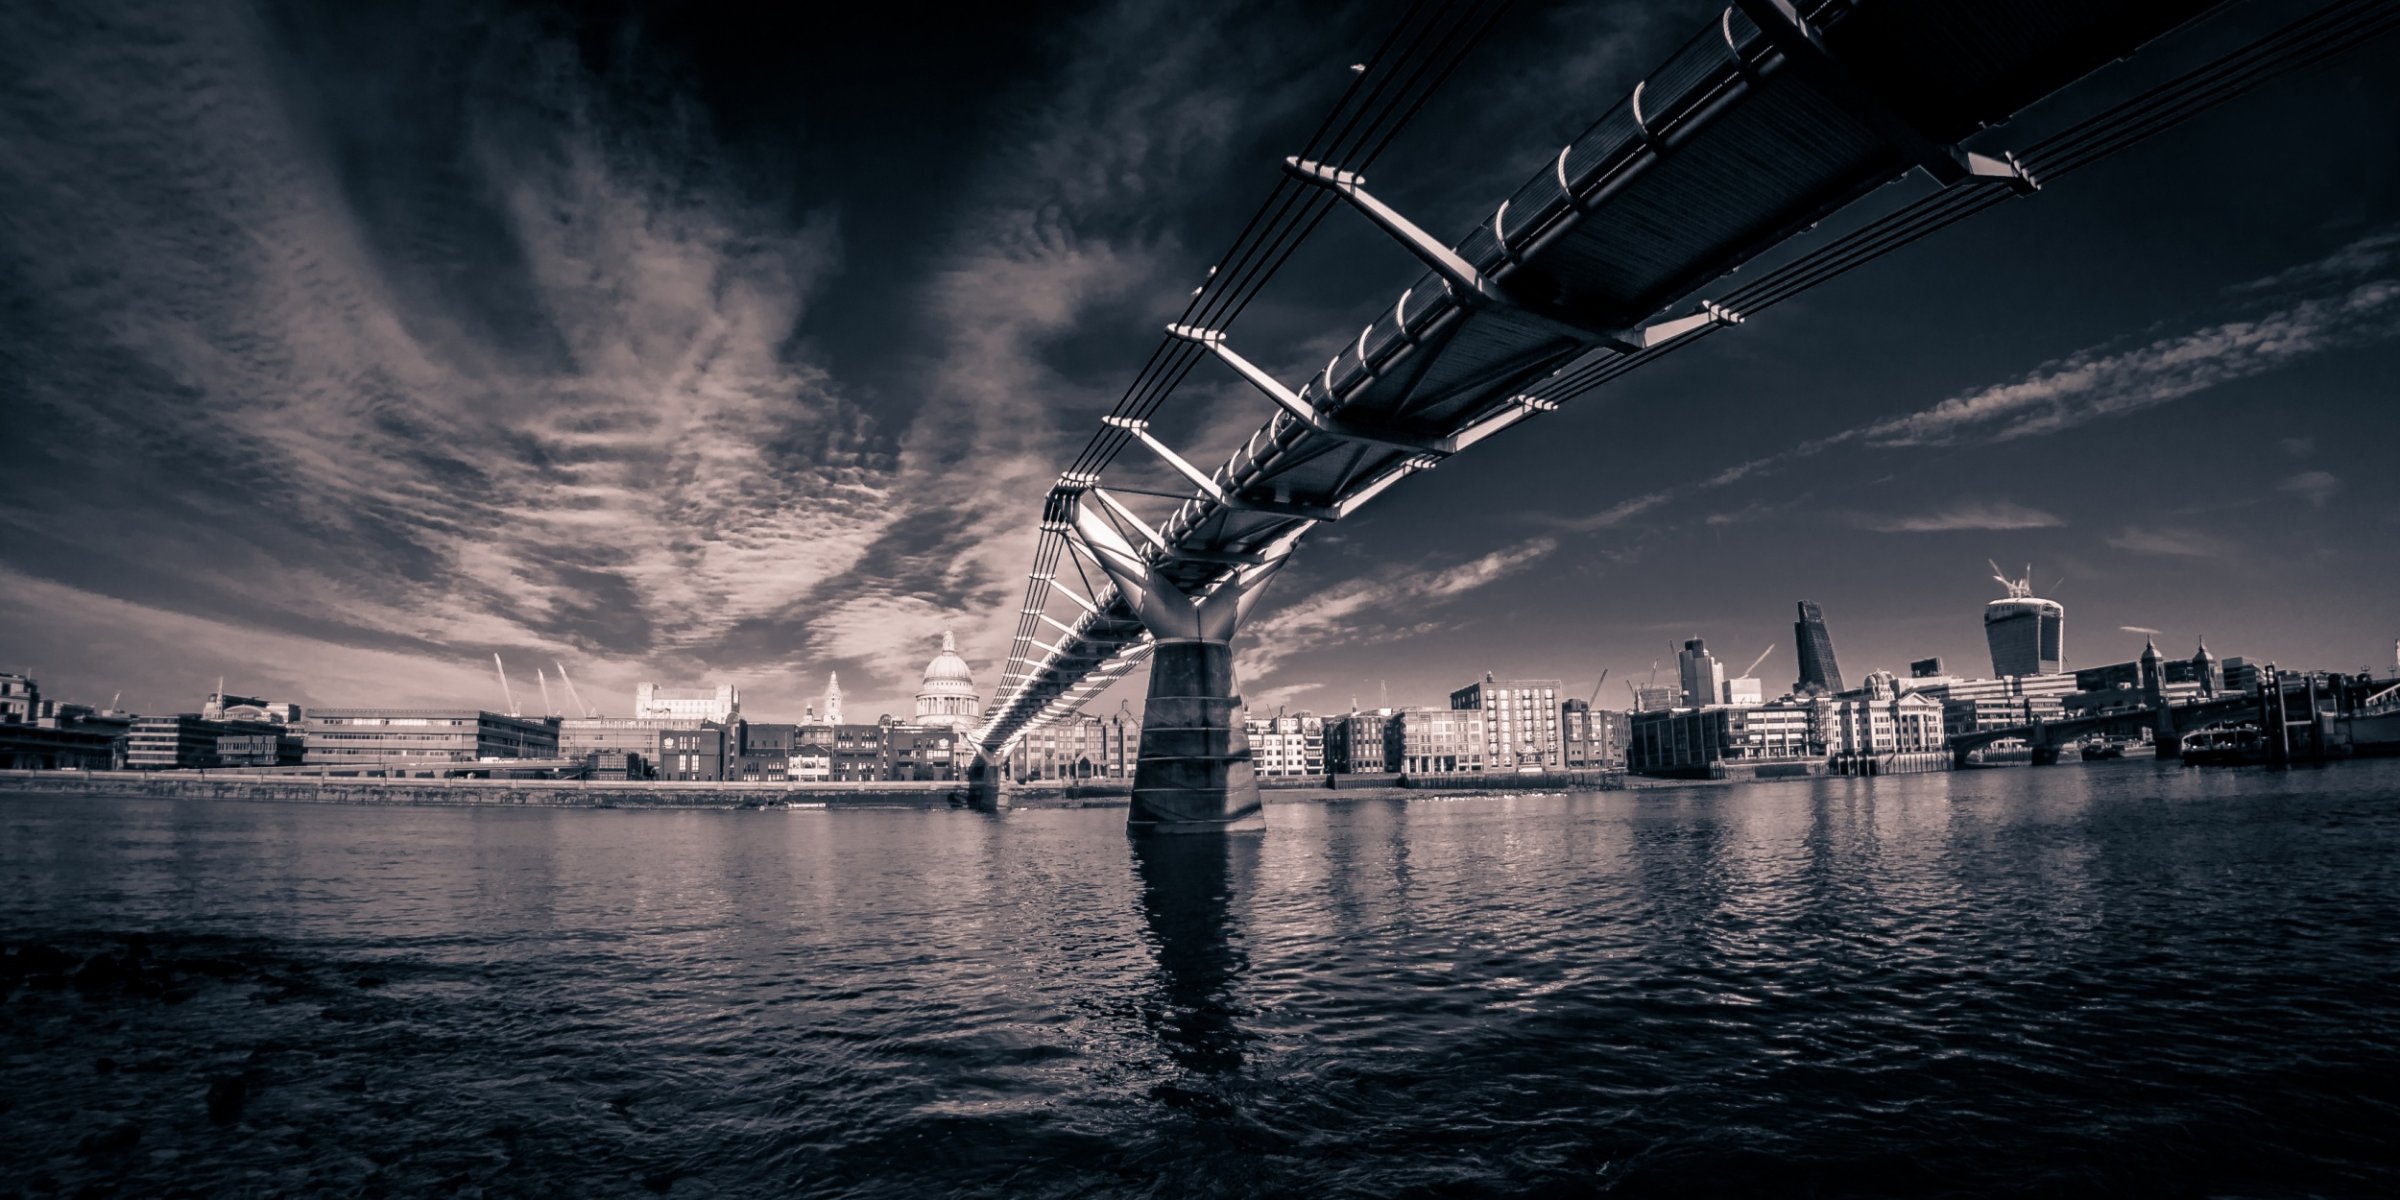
(2128, 976)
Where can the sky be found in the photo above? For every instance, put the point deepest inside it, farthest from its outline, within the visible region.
(345, 346)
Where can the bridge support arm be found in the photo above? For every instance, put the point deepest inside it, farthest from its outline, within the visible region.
(1301, 409)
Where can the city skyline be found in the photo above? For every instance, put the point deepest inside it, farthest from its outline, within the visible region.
(469, 417)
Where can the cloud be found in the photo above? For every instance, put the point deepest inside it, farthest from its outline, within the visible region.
(2298, 447)
(2316, 487)
(2173, 543)
(1345, 613)
(2092, 385)
(2142, 629)
(546, 396)
(1991, 515)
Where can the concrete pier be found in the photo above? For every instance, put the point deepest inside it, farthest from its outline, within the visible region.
(1194, 773)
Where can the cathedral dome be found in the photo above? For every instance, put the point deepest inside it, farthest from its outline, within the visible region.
(948, 696)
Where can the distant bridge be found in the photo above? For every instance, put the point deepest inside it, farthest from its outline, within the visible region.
(1765, 122)
(2167, 725)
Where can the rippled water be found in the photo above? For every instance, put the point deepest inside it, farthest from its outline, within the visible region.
(2130, 978)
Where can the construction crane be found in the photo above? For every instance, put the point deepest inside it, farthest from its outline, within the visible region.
(1752, 669)
(572, 694)
(1596, 688)
(549, 709)
(512, 696)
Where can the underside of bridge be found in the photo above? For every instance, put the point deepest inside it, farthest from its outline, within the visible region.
(1764, 123)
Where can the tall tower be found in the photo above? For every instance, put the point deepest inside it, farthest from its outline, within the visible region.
(1818, 670)
(1703, 675)
(833, 697)
(2027, 633)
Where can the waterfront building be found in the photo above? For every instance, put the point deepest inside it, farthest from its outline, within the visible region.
(694, 755)
(37, 734)
(2027, 633)
(824, 751)
(614, 737)
(761, 752)
(1084, 748)
(1520, 722)
(947, 698)
(1819, 672)
(719, 704)
(1703, 677)
(1975, 705)
(190, 742)
(1354, 743)
(1435, 741)
(18, 697)
(1594, 739)
(2241, 675)
(373, 736)
(1881, 723)
(221, 707)
(1879, 729)
(921, 752)
(1286, 746)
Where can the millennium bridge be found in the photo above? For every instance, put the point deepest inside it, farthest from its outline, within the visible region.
(1618, 250)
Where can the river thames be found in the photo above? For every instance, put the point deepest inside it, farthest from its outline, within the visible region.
(2130, 978)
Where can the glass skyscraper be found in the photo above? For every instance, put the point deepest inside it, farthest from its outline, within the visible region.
(1818, 670)
(2028, 634)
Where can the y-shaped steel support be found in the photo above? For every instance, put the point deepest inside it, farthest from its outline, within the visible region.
(1194, 774)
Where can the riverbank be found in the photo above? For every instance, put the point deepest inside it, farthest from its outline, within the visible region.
(571, 793)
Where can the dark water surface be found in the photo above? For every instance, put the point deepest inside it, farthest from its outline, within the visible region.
(2125, 978)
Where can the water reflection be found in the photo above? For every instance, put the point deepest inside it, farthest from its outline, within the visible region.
(1188, 886)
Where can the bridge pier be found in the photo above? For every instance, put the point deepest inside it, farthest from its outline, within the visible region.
(1193, 773)
(986, 785)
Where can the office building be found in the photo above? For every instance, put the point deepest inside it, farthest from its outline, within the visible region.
(2027, 633)
(1819, 672)
(371, 736)
(1656, 698)
(615, 737)
(1435, 741)
(1354, 743)
(1084, 748)
(189, 742)
(1520, 722)
(1743, 691)
(1703, 677)
(222, 707)
(719, 704)
(920, 752)
(1882, 722)
(1927, 668)
(46, 735)
(695, 755)
(1974, 705)
(947, 698)
(18, 697)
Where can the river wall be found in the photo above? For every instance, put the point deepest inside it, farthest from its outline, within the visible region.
(538, 793)
(573, 793)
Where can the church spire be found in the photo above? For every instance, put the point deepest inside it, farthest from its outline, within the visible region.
(833, 697)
